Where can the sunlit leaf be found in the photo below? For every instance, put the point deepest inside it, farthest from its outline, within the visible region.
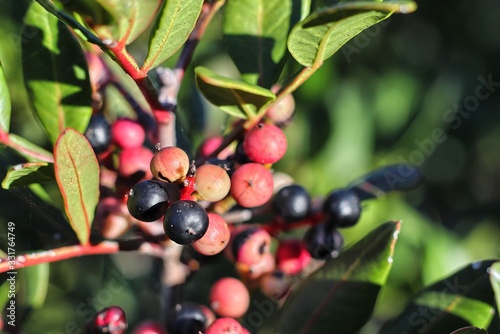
(234, 97)
(495, 282)
(77, 175)
(340, 296)
(463, 299)
(55, 73)
(27, 173)
(327, 29)
(175, 21)
(29, 150)
(256, 32)
(397, 177)
(36, 283)
(5, 107)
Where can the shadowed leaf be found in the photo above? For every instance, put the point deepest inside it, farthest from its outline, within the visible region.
(462, 299)
(234, 97)
(327, 29)
(27, 173)
(5, 107)
(470, 330)
(36, 285)
(495, 282)
(55, 73)
(77, 175)
(340, 296)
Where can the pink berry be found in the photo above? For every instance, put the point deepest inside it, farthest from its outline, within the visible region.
(215, 238)
(224, 326)
(265, 265)
(251, 185)
(265, 143)
(127, 133)
(250, 245)
(209, 146)
(292, 256)
(229, 297)
(170, 164)
(282, 111)
(110, 320)
(135, 160)
(149, 327)
(275, 285)
(212, 182)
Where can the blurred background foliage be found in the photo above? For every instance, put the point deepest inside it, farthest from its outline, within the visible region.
(381, 99)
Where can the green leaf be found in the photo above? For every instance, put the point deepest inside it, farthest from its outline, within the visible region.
(176, 19)
(462, 299)
(326, 30)
(55, 73)
(256, 32)
(470, 330)
(5, 106)
(36, 283)
(340, 296)
(234, 97)
(29, 150)
(27, 173)
(495, 282)
(77, 175)
(131, 18)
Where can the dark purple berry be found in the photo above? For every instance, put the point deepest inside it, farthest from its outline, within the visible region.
(323, 241)
(185, 222)
(186, 318)
(148, 200)
(292, 203)
(343, 208)
(98, 133)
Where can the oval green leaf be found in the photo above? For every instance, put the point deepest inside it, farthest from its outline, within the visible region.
(55, 73)
(175, 21)
(462, 299)
(131, 18)
(340, 297)
(27, 173)
(470, 330)
(29, 150)
(234, 97)
(256, 32)
(77, 174)
(5, 106)
(36, 284)
(326, 30)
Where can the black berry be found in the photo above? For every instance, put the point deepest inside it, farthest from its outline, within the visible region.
(323, 241)
(186, 318)
(185, 222)
(343, 208)
(98, 133)
(292, 203)
(148, 200)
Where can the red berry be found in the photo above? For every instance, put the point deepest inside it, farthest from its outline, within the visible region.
(209, 146)
(292, 256)
(266, 264)
(111, 320)
(265, 143)
(215, 238)
(135, 160)
(229, 297)
(249, 246)
(251, 185)
(170, 164)
(224, 326)
(127, 133)
(212, 182)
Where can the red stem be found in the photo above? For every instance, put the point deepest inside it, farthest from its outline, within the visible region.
(58, 254)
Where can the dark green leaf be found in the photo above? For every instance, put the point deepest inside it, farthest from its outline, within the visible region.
(29, 150)
(463, 299)
(340, 296)
(27, 173)
(256, 32)
(5, 107)
(36, 283)
(470, 330)
(495, 282)
(397, 177)
(326, 30)
(176, 19)
(55, 73)
(131, 18)
(234, 97)
(77, 175)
